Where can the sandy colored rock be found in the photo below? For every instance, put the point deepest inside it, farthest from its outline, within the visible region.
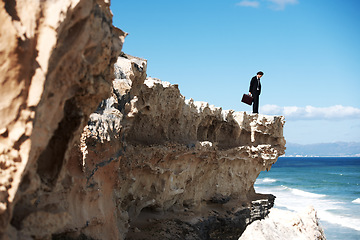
(54, 63)
(159, 154)
(145, 152)
(284, 225)
(84, 155)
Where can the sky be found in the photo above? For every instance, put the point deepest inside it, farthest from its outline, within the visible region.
(309, 52)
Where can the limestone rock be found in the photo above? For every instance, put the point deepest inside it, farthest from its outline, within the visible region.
(167, 161)
(84, 155)
(284, 225)
(56, 62)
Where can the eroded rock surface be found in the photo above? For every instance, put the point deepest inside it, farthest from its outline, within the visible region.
(175, 168)
(146, 163)
(56, 61)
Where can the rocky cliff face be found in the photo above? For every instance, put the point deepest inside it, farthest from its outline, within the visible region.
(56, 61)
(168, 158)
(146, 162)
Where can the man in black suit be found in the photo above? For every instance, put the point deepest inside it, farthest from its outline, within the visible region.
(255, 90)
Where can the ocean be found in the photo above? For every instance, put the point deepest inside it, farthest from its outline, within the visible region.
(330, 184)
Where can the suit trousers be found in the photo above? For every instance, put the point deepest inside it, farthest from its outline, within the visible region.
(255, 103)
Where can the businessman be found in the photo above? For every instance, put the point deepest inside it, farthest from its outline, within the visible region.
(255, 90)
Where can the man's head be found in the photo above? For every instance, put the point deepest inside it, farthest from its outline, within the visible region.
(260, 74)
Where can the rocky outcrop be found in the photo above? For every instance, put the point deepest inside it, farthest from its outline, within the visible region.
(145, 162)
(172, 168)
(284, 225)
(56, 61)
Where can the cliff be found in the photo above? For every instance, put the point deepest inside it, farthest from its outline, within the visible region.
(87, 156)
(56, 61)
(178, 169)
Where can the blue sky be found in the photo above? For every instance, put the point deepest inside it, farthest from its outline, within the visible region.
(308, 50)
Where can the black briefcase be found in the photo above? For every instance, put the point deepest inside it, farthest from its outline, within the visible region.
(247, 99)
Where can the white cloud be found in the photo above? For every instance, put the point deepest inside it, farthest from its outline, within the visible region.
(247, 3)
(336, 112)
(281, 4)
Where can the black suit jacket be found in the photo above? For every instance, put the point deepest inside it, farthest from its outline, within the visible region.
(254, 85)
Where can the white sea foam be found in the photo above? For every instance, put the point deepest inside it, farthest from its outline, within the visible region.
(297, 200)
(265, 180)
(344, 221)
(306, 194)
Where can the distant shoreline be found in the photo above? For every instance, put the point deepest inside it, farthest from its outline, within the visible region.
(337, 149)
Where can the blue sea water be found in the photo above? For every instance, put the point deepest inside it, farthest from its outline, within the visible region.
(330, 184)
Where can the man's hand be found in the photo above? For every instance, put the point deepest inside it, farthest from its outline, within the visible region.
(249, 93)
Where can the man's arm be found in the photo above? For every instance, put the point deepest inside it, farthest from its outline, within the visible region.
(251, 84)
